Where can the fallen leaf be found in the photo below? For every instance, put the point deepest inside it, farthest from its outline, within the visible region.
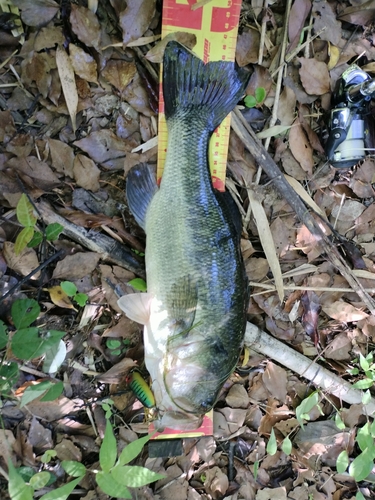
(340, 348)
(362, 14)
(275, 379)
(155, 54)
(62, 156)
(37, 12)
(286, 112)
(348, 211)
(314, 76)
(136, 18)
(237, 397)
(342, 311)
(298, 15)
(23, 263)
(310, 318)
(66, 73)
(300, 147)
(84, 64)
(325, 19)
(85, 25)
(103, 145)
(76, 266)
(247, 49)
(216, 482)
(119, 73)
(60, 298)
(86, 173)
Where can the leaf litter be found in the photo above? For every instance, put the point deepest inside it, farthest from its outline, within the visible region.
(77, 99)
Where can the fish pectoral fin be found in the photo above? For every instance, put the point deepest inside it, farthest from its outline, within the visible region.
(140, 189)
(136, 306)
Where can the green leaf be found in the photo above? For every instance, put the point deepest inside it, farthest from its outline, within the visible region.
(24, 312)
(17, 488)
(81, 298)
(36, 240)
(63, 492)
(23, 239)
(339, 423)
(364, 438)
(73, 468)
(53, 231)
(69, 288)
(255, 470)
(132, 450)
(9, 373)
(54, 392)
(272, 443)
(109, 486)
(134, 476)
(287, 446)
(54, 357)
(28, 344)
(3, 335)
(35, 391)
(342, 462)
(365, 383)
(138, 284)
(260, 94)
(108, 449)
(47, 456)
(26, 472)
(40, 479)
(362, 465)
(306, 406)
(113, 343)
(359, 496)
(365, 365)
(250, 101)
(25, 212)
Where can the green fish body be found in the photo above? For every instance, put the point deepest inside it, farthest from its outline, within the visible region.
(194, 310)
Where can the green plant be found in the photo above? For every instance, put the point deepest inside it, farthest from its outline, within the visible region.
(28, 343)
(251, 101)
(368, 368)
(71, 290)
(29, 236)
(116, 346)
(115, 477)
(138, 284)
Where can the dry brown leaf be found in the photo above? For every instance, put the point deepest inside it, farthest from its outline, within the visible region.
(66, 450)
(314, 76)
(275, 379)
(37, 68)
(23, 263)
(37, 12)
(340, 348)
(237, 397)
(62, 156)
(216, 482)
(348, 211)
(136, 95)
(286, 109)
(362, 14)
(325, 18)
(136, 18)
(60, 298)
(119, 73)
(76, 266)
(66, 74)
(86, 173)
(117, 372)
(84, 64)
(305, 196)
(342, 311)
(297, 18)
(85, 25)
(257, 268)
(155, 54)
(300, 147)
(283, 236)
(268, 244)
(103, 145)
(247, 49)
(39, 171)
(48, 37)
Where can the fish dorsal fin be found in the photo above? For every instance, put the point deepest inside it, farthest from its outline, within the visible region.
(136, 306)
(140, 189)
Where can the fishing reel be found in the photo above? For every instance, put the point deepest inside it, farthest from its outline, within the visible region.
(348, 131)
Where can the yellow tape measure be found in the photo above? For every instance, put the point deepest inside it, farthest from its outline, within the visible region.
(215, 25)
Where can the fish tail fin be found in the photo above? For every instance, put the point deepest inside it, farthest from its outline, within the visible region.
(211, 89)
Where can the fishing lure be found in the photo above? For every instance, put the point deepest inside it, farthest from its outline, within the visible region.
(141, 389)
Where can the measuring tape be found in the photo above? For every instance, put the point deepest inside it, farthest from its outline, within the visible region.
(215, 25)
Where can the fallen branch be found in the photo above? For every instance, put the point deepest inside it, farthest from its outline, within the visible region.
(264, 160)
(263, 343)
(108, 248)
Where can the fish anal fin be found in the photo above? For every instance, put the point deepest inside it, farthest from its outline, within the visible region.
(136, 306)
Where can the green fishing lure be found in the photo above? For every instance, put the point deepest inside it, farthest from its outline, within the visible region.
(141, 389)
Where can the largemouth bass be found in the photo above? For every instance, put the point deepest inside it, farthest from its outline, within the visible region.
(194, 310)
